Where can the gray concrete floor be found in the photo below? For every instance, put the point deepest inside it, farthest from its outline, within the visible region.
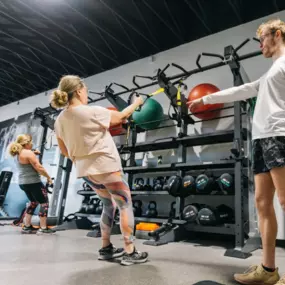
(70, 258)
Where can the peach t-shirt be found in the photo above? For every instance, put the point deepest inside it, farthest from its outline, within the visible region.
(85, 133)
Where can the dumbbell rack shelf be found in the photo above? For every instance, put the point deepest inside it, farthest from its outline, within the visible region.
(235, 165)
(181, 166)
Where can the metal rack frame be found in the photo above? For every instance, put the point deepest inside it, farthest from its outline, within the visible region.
(237, 136)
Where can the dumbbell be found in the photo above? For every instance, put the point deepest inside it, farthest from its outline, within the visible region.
(151, 210)
(225, 214)
(208, 216)
(137, 208)
(190, 212)
(226, 183)
(139, 184)
(205, 184)
(188, 186)
(172, 210)
(174, 185)
(158, 183)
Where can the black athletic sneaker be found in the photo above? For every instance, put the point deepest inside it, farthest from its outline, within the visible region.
(42, 231)
(110, 252)
(134, 258)
(29, 230)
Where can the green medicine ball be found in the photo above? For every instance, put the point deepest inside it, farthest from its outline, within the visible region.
(150, 115)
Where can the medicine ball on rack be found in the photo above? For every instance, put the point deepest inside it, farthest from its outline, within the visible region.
(151, 210)
(174, 185)
(190, 212)
(158, 183)
(208, 216)
(226, 183)
(200, 91)
(149, 116)
(137, 208)
(225, 213)
(204, 184)
(188, 186)
(117, 129)
(139, 184)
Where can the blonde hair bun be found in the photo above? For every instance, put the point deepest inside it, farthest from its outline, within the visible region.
(59, 99)
(15, 148)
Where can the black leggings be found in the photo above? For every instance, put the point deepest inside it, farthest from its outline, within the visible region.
(37, 194)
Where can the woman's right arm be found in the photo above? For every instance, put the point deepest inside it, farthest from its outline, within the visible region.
(119, 117)
(38, 166)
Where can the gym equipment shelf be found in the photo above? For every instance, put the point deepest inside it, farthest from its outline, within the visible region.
(172, 143)
(138, 219)
(181, 166)
(227, 229)
(134, 192)
(83, 192)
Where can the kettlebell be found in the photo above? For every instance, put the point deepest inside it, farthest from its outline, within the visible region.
(151, 210)
(172, 210)
(158, 183)
(139, 184)
(137, 208)
(90, 208)
(147, 186)
(99, 208)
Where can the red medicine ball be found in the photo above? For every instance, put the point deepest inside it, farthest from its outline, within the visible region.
(118, 129)
(202, 90)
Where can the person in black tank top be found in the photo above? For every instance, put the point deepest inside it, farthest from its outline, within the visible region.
(29, 176)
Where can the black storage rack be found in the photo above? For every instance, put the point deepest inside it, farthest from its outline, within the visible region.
(239, 136)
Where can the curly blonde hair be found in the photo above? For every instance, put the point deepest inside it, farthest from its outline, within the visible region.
(16, 147)
(68, 84)
(272, 26)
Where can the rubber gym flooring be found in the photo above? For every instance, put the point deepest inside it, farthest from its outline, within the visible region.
(70, 258)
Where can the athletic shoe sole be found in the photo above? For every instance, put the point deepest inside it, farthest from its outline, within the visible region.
(128, 262)
(39, 233)
(108, 257)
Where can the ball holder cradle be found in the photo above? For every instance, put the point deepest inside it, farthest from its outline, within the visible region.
(168, 232)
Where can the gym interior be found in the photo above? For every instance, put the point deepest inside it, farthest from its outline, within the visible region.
(205, 227)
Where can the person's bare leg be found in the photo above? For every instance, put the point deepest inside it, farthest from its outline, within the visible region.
(278, 177)
(264, 194)
(28, 220)
(43, 222)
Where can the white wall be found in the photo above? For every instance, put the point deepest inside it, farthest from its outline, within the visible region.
(184, 55)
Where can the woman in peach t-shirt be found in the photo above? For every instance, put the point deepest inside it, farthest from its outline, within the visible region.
(83, 135)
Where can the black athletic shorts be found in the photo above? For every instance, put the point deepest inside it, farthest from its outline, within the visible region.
(268, 153)
(35, 192)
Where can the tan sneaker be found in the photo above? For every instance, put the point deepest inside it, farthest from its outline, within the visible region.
(281, 281)
(256, 275)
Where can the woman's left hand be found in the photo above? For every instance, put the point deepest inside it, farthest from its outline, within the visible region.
(37, 152)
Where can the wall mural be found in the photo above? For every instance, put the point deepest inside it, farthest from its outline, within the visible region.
(16, 199)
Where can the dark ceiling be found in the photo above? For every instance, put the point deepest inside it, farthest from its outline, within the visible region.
(41, 40)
